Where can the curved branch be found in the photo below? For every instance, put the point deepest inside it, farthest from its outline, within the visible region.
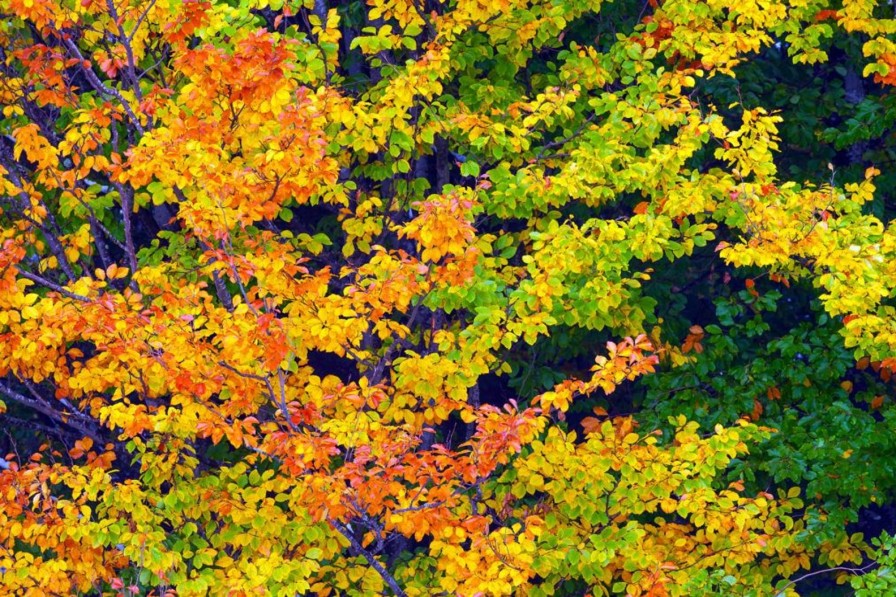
(856, 571)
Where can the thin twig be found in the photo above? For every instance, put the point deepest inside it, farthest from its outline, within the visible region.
(856, 571)
(140, 20)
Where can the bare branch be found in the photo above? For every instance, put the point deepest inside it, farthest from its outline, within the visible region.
(100, 86)
(374, 563)
(128, 50)
(52, 286)
(40, 405)
(126, 194)
(855, 571)
(52, 240)
(221, 291)
(140, 20)
(281, 402)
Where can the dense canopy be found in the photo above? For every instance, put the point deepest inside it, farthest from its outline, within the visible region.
(461, 297)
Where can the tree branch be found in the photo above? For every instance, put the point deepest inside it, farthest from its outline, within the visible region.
(281, 403)
(52, 286)
(99, 85)
(374, 563)
(46, 409)
(856, 571)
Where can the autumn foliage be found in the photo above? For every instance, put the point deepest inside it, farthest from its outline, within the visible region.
(514, 297)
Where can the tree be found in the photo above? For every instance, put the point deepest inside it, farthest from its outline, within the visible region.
(444, 298)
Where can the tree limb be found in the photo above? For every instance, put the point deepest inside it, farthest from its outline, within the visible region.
(374, 563)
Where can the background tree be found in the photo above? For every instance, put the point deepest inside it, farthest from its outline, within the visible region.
(445, 298)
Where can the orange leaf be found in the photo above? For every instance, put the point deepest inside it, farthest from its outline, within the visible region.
(758, 409)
